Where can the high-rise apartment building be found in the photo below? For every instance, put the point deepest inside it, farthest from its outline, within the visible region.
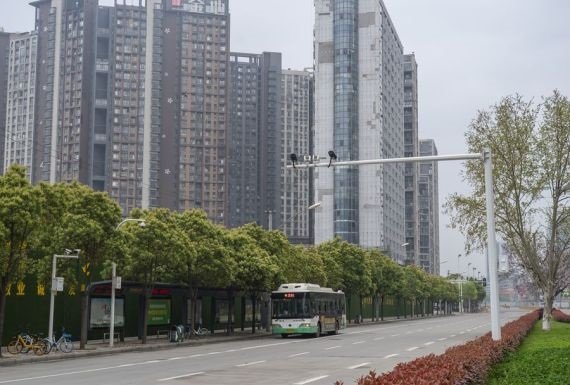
(428, 210)
(254, 139)
(359, 114)
(132, 99)
(411, 149)
(20, 101)
(296, 184)
(4, 54)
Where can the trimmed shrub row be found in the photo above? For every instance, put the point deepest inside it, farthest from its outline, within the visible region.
(560, 316)
(467, 364)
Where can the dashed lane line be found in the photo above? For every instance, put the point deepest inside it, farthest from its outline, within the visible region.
(250, 363)
(311, 380)
(358, 342)
(412, 348)
(182, 376)
(297, 354)
(333, 347)
(359, 365)
(391, 355)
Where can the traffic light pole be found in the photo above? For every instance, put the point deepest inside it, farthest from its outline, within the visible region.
(490, 206)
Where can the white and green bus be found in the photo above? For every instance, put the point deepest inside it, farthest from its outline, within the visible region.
(305, 308)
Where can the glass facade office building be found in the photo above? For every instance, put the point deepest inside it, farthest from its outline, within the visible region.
(359, 115)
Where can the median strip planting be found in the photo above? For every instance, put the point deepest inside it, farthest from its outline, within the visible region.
(466, 364)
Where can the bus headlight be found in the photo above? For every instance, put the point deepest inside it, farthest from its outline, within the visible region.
(305, 325)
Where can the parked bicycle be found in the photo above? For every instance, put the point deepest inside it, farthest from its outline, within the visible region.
(197, 332)
(63, 344)
(25, 342)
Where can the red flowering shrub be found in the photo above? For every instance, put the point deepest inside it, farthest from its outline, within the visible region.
(560, 316)
(466, 364)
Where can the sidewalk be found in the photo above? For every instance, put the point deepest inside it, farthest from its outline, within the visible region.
(100, 347)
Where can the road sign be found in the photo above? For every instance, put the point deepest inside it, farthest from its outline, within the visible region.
(118, 283)
(57, 284)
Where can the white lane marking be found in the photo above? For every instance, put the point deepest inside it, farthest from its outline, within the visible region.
(175, 358)
(461, 332)
(268, 345)
(209, 354)
(61, 374)
(298, 354)
(230, 351)
(378, 338)
(358, 342)
(358, 365)
(429, 343)
(150, 362)
(250, 363)
(391, 355)
(182, 376)
(412, 349)
(126, 365)
(453, 335)
(311, 380)
(408, 332)
(333, 347)
(442, 339)
(394, 335)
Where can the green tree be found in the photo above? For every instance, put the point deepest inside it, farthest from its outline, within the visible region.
(349, 267)
(255, 271)
(531, 167)
(19, 212)
(209, 263)
(414, 287)
(386, 278)
(76, 217)
(152, 252)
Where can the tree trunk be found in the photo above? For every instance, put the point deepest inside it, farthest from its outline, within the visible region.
(145, 315)
(547, 311)
(84, 318)
(253, 313)
(231, 303)
(2, 314)
(382, 308)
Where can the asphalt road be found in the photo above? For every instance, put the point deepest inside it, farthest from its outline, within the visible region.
(272, 360)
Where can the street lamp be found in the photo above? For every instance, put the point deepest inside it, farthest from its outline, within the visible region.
(141, 223)
(468, 266)
(57, 285)
(458, 257)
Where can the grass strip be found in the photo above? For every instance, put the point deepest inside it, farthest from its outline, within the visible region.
(542, 359)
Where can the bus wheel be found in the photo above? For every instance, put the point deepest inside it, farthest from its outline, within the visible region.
(319, 330)
(336, 328)
(284, 335)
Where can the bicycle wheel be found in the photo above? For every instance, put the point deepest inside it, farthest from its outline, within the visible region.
(203, 331)
(14, 347)
(65, 346)
(40, 347)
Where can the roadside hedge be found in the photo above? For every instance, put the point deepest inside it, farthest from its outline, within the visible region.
(560, 316)
(466, 364)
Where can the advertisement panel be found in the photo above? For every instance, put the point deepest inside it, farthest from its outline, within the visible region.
(159, 312)
(100, 315)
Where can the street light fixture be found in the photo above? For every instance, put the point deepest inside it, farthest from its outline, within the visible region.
(57, 284)
(141, 223)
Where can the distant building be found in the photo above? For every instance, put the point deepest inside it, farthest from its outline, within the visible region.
(411, 149)
(4, 54)
(20, 101)
(254, 139)
(359, 105)
(296, 184)
(428, 210)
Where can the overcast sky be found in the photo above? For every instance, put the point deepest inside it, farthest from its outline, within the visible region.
(469, 53)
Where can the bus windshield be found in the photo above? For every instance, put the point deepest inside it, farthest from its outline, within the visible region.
(297, 307)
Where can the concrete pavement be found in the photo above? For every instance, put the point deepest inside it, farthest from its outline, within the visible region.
(99, 347)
